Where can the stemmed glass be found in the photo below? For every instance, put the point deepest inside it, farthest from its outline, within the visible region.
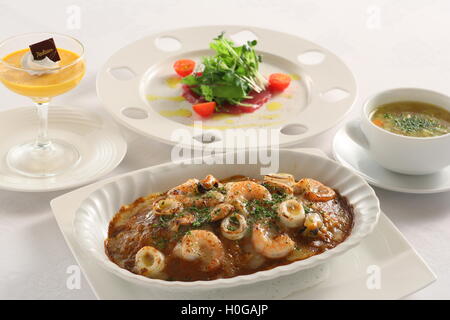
(42, 157)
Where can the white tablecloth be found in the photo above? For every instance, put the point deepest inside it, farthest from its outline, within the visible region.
(386, 44)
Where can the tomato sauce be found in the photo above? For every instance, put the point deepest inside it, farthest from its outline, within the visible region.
(136, 226)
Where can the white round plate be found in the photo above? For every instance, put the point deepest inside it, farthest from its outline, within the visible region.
(355, 157)
(137, 86)
(101, 146)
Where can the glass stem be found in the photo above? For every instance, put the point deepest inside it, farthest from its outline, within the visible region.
(42, 140)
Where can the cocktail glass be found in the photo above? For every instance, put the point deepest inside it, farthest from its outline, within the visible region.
(42, 157)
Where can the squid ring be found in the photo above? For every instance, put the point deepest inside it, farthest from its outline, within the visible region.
(234, 227)
(149, 262)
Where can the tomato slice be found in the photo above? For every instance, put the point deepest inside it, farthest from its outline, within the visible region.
(184, 67)
(279, 81)
(204, 109)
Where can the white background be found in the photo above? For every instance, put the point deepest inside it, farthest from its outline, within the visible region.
(386, 44)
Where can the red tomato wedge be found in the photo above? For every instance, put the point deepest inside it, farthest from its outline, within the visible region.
(204, 109)
(184, 67)
(278, 82)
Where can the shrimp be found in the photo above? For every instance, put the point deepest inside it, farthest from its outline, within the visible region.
(271, 247)
(314, 190)
(279, 186)
(209, 199)
(250, 258)
(284, 178)
(150, 262)
(209, 182)
(240, 192)
(201, 245)
(234, 227)
(291, 213)
(197, 193)
(280, 181)
(313, 222)
(221, 211)
(184, 220)
(167, 206)
(188, 188)
(255, 260)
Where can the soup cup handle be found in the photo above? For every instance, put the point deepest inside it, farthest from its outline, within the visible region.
(353, 130)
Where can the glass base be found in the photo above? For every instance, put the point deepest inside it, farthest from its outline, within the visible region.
(33, 160)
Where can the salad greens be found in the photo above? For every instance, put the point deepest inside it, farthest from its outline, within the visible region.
(230, 75)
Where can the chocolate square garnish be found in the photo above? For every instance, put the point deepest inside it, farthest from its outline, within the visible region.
(46, 48)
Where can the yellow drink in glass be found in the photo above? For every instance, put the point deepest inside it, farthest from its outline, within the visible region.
(41, 80)
(43, 86)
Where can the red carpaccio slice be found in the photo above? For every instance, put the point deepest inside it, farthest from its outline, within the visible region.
(257, 100)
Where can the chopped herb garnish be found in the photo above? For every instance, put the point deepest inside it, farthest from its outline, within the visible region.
(160, 243)
(414, 123)
(164, 220)
(412, 118)
(202, 215)
(222, 190)
(234, 223)
(273, 189)
(210, 194)
(307, 209)
(264, 209)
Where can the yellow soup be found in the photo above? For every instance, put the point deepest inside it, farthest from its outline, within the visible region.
(40, 87)
(412, 118)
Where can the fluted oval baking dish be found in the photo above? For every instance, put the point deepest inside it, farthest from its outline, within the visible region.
(92, 217)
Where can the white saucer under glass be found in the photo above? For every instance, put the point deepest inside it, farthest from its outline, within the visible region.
(98, 141)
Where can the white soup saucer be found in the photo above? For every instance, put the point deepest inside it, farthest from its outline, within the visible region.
(357, 158)
(100, 144)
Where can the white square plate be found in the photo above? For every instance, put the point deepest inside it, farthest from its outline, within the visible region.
(383, 266)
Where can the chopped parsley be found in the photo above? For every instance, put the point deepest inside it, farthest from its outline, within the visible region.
(234, 223)
(307, 209)
(210, 194)
(164, 221)
(264, 209)
(221, 189)
(202, 215)
(160, 243)
(415, 123)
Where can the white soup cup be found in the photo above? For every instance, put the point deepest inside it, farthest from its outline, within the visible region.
(395, 152)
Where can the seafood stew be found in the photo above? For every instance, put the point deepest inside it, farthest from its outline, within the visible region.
(209, 229)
